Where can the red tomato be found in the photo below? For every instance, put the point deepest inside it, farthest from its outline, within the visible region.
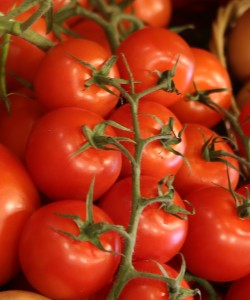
(217, 244)
(66, 268)
(166, 231)
(24, 57)
(202, 172)
(155, 13)
(89, 29)
(239, 289)
(150, 289)
(157, 160)
(49, 155)
(21, 295)
(7, 5)
(60, 80)
(59, 4)
(16, 126)
(244, 123)
(209, 74)
(19, 199)
(157, 49)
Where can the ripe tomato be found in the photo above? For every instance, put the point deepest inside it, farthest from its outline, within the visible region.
(60, 79)
(151, 49)
(157, 160)
(219, 236)
(49, 156)
(201, 171)
(89, 29)
(7, 5)
(209, 74)
(156, 225)
(16, 126)
(66, 268)
(155, 13)
(23, 57)
(21, 295)
(243, 95)
(244, 123)
(146, 288)
(239, 289)
(19, 199)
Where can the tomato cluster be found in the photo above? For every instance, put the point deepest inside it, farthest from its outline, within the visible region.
(125, 164)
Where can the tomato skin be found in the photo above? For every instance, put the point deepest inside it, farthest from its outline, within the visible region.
(157, 226)
(156, 13)
(23, 57)
(239, 289)
(49, 156)
(244, 123)
(58, 69)
(19, 199)
(157, 161)
(218, 235)
(16, 126)
(202, 172)
(147, 51)
(209, 73)
(21, 295)
(66, 269)
(89, 29)
(150, 289)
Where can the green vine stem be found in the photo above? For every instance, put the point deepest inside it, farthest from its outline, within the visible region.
(114, 15)
(126, 271)
(229, 117)
(3, 58)
(206, 285)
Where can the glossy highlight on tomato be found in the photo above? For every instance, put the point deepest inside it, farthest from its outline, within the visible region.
(147, 289)
(203, 169)
(52, 160)
(156, 225)
(67, 268)
(19, 198)
(219, 236)
(60, 79)
(209, 74)
(157, 159)
(149, 51)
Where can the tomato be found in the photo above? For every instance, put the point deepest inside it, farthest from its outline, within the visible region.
(16, 126)
(89, 29)
(239, 289)
(209, 74)
(24, 57)
(205, 171)
(157, 160)
(60, 267)
(21, 295)
(217, 243)
(149, 50)
(150, 289)
(51, 160)
(59, 69)
(59, 5)
(155, 13)
(19, 199)
(243, 121)
(242, 96)
(156, 225)
(7, 5)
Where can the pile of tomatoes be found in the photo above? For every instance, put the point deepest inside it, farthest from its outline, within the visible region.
(125, 163)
